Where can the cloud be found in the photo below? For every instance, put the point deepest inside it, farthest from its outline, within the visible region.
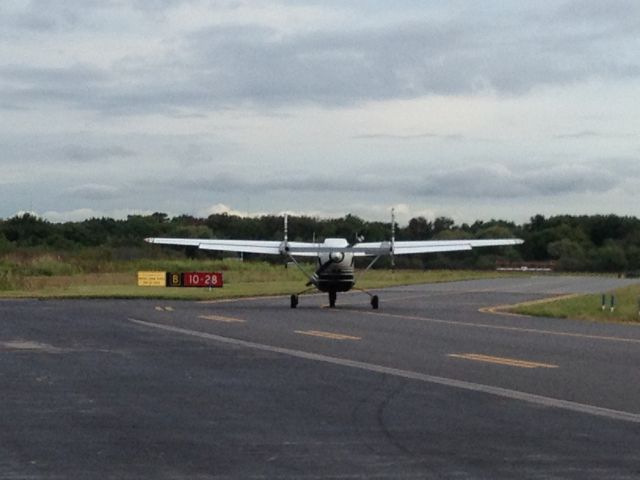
(585, 134)
(176, 105)
(87, 153)
(578, 135)
(44, 16)
(78, 86)
(232, 65)
(398, 60)
(93, 191)
(415, 136)
(80, 214)
(503, 182)
(219, 208)
(496, 182)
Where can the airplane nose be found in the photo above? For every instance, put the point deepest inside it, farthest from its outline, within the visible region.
(336, 257)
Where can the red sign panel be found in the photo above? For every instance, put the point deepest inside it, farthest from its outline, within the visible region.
(202, 279)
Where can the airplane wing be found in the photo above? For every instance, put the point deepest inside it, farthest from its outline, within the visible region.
(308, 249)
(267, 247)
(246, 246)
(433, 246)
(270, 247)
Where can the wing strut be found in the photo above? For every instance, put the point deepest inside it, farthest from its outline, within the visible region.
(393, 239)
(306, 274)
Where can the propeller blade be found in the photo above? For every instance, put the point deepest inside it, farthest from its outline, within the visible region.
(319, 271)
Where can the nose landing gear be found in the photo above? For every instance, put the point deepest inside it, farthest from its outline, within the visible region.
(375, 302)
(332, 299)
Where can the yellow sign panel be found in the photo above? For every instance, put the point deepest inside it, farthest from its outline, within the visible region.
(152, 279)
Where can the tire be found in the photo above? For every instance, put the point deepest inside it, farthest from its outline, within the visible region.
(375, 302)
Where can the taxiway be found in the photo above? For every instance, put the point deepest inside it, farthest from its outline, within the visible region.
(429, 386)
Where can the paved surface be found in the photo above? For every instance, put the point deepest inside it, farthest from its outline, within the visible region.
(426, 387)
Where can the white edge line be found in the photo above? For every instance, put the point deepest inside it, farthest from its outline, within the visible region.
(449, 382)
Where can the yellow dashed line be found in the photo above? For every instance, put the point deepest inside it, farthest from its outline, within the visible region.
(330, 335)
(511, 362)
(500, 327)
(220, 318)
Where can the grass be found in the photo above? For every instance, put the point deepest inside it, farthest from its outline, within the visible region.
(92, 275)
(49, 276)
(589, 307)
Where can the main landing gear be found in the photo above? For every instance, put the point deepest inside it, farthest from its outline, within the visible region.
(375, 301)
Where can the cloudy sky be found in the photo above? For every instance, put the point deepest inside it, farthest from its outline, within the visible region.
(475, 110)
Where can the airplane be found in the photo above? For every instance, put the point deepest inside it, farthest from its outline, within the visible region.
(335, 256)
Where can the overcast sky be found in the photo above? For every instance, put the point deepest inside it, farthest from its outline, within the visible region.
(474, 110)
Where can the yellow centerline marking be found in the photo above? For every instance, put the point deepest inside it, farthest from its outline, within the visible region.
(252, 299)
(568, 405)
(511, 362)
(502, 327)
(220, 318)
(330, 335)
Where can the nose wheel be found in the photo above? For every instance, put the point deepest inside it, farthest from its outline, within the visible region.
(375, 302)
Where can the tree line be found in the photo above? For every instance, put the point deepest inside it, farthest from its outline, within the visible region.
(599, 243)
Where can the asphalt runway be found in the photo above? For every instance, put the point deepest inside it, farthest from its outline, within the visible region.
(428, 386)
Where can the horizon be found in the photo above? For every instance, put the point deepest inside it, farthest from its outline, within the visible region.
(401, 223)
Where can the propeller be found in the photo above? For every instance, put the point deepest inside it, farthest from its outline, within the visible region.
(334, 257)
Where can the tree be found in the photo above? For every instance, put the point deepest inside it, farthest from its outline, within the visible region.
(570, 255)
(5, 245)
(27, 230)
(609, 258)
(442, 223)
(419, 229)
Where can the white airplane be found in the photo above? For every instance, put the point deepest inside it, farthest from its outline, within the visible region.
(335, 256)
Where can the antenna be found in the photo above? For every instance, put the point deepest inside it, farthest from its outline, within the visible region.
(393, 237)
(284, 246)
(286, 228)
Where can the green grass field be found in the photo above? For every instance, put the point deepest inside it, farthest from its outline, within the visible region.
(51, 277)
(589, 307)
(90, 276)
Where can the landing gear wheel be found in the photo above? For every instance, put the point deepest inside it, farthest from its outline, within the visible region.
(374, 302)
(294, 301)
(332, 299)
